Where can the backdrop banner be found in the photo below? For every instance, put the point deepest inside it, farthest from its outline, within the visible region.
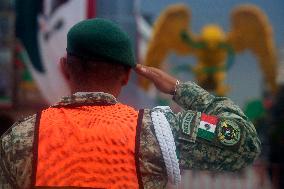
(41, 26)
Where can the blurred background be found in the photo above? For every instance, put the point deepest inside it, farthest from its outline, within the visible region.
(33, 38)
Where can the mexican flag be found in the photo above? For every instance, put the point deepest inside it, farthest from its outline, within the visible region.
(207, 127)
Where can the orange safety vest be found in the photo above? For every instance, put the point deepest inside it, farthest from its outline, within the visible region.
(87, 146)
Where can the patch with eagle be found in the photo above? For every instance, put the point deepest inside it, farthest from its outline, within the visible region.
(229, 133)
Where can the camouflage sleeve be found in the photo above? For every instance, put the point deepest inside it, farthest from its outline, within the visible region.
(152, 168)
(16, 149)
(212, 133)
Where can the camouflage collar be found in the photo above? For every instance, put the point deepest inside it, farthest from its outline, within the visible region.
(87, 98)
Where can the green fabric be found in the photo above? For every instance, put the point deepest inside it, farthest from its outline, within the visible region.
(100, 39)
(254, 109)
(205, 134)
(27, 77)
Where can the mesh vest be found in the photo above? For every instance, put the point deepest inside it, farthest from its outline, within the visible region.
(87, 146)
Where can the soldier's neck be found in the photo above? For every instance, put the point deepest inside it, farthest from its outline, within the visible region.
(115, 91)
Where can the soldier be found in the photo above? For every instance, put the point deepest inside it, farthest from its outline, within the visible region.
(89, 139)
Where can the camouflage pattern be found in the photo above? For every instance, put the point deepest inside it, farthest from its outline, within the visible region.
(193, 152)
(16, 154)
(86, 98)
(152, 167)
(201, 154)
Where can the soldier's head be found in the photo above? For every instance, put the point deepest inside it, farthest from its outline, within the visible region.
(99, 57)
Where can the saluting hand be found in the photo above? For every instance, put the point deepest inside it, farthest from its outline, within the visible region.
(163, 81)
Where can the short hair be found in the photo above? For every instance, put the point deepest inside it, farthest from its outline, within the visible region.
(85, 71)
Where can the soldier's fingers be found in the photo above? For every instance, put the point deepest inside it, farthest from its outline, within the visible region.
(140, 69)
(148, 72)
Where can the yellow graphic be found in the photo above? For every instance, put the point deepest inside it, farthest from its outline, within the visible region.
(214, 49)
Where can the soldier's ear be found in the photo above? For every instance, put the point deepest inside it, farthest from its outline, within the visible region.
(126, 77)
(64, 69)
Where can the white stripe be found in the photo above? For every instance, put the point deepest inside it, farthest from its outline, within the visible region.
(203, 124)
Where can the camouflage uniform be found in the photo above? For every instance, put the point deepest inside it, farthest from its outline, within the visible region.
(194, 152)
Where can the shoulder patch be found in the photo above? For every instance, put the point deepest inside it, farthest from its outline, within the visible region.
(207, 127)
(186, 121)
(229, 133)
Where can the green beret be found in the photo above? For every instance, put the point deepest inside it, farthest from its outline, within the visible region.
(100, 39)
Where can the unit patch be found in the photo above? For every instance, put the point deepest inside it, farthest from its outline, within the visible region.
(207, 127)
(186, 121)
(229, 134)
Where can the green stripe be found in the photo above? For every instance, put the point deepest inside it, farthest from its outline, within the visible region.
(23, 57)
(205, 134)
(27, 30)
(187, 39)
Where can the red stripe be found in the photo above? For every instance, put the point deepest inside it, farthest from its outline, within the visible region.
(210, 119)
(91, 9)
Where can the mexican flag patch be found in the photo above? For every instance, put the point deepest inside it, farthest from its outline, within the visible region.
(207, 127)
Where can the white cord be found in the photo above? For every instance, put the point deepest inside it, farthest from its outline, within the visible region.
(166, 141)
